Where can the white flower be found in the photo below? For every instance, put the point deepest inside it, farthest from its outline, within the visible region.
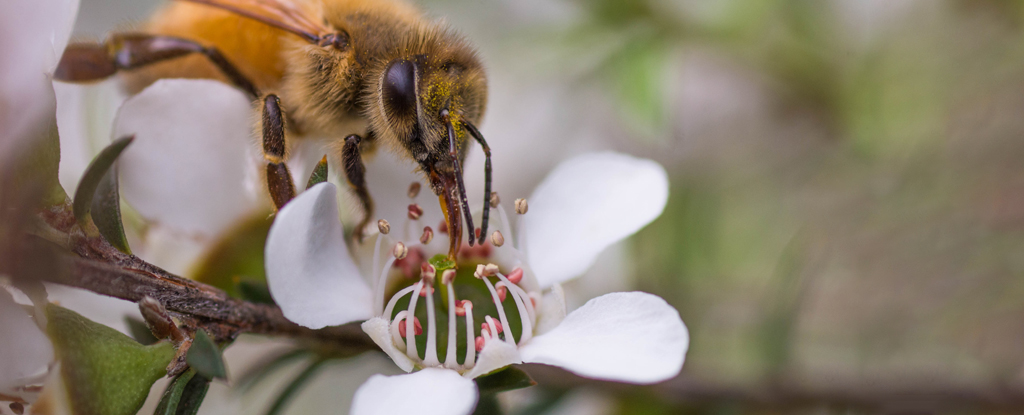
(514, 311)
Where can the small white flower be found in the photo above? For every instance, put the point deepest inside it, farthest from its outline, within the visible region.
(505, 303)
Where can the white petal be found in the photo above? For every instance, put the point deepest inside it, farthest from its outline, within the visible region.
(85, 117)
(495, 355)
(192, 156)
(586, 204)
(427, 392)
(24, 349)
(631, 337)
(33, 34)
(309, 270)
(552, 310)
(379, 330)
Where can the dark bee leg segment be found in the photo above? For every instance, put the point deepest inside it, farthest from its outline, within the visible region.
(279, 180)
(355, 172)
(90, 62)
(487, 177)
(457, 166)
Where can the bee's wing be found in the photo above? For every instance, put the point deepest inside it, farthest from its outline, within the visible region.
(282, 14)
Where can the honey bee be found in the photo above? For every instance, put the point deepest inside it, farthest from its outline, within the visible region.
(328, 68)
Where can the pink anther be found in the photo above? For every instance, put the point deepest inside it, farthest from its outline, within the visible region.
(515, 276)
(416, 327)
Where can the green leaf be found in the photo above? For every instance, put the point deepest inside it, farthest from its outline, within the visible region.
(106, 211)
(192, 397)
(106, 372)
(184, 395)
(140, 331)
(205, 357)
(93, 176)
(319, 173)
(295, 386)
(172, 395)
(510, 378)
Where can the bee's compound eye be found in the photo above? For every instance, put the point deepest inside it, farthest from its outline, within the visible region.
(399, 87)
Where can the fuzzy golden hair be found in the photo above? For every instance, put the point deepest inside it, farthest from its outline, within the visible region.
(330, 92)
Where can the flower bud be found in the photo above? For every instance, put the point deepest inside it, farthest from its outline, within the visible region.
(383, 226)
(521, 206)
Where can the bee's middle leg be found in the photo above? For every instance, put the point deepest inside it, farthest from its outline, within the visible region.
(355, 172)
(279, 180)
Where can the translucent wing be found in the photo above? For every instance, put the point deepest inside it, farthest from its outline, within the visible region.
(282, 14)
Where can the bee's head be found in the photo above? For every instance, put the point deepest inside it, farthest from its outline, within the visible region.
(421, 94)
(428, 104)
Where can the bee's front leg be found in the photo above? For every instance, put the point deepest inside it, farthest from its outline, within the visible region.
(355, 172)
(279, 180)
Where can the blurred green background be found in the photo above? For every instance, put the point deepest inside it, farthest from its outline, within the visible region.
(847, 202)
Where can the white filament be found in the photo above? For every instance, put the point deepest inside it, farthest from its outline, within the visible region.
(430, 359)
(410, 330)
(501, 313)
(450, 356)
(524, 315)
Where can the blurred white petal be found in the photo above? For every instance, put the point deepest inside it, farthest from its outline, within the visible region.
(586, 204)
(630, 337)
(85, 115)
(427, 392)
(33, 34)
(24, 349)
(192, 156)
(309, 270)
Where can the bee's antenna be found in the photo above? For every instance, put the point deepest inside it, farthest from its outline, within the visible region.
(454, 153)
(487, 177)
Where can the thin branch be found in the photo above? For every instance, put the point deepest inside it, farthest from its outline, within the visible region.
(99, 267)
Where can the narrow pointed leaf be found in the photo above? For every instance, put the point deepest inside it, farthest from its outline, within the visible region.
(106, 372)
(319, 173)
(205, 357)
(295, 386)
(106, 211)
(172, 395)
(93, 176)
(193, 395)
(510, 378)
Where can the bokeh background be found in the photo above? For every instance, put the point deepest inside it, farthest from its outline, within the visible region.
(845, 227)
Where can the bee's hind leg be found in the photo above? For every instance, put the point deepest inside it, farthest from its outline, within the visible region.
(355, 172)
(83, 62)
(279, 180)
